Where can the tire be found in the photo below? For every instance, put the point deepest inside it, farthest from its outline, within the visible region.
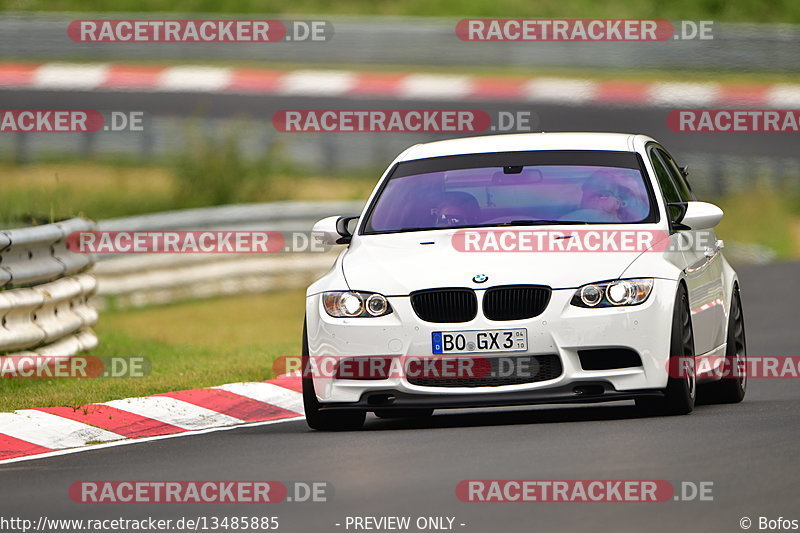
(327, 420)
(681, 392)
(731, 389)
(403, 413)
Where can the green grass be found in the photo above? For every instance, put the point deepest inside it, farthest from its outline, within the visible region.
(764, 215)
(52, 191)
(742, 11)
(42, 192)
(188, 345)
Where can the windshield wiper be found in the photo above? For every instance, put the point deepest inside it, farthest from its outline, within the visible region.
(540, 222)
(497, 224)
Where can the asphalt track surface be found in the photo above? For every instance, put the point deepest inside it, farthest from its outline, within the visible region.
(548, 117)
(748, 451)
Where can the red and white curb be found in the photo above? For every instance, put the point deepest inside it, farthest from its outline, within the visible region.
(401, 86)
(42, 432)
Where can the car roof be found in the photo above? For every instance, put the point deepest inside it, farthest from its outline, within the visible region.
(617, 142)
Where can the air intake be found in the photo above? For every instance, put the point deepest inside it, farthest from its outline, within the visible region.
(608, 358)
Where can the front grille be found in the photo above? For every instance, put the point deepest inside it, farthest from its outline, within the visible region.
(515, 302)
(445, 305)
(497, 372)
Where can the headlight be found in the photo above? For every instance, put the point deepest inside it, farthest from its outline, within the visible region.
(591, 295)
(613, 293)
(350, 304)
(377, 305)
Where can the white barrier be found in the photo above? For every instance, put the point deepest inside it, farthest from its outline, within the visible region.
(137, 280)
(39, 254)
(45, 306)
(44, 297)
(124, 284)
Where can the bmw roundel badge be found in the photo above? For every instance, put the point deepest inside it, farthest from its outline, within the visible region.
(480, 278)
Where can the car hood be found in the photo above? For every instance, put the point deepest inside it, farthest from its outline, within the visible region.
(400, 263)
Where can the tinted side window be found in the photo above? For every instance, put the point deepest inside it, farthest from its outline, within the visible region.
(684, 191)
(664, 179)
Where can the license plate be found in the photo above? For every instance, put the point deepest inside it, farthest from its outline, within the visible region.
(477, 341)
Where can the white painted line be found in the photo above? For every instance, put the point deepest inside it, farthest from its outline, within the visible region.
(677, 93)
(435, 86)
(194, 79)
(126, 442)
(560, 90)
(69, 76)
(268, 393)
(51, 431)
(317, 82)
(176, 412)
(784, 96)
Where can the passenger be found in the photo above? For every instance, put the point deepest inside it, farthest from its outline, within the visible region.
(457, 209)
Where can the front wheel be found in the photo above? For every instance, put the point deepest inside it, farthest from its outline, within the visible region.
(324, 420)
(681, 392)
(733, 384)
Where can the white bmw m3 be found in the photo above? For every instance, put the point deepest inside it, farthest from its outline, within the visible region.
(524, 269)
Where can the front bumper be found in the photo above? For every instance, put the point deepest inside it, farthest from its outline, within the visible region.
(562, 329)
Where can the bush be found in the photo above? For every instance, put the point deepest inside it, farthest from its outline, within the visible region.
(214, 171)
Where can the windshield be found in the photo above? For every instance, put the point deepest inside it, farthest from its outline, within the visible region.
(561, 189)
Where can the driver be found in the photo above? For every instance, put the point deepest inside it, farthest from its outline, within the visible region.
(600, 194)
(606, 197)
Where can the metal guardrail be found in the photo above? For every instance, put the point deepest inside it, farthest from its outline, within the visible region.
(39, 254)
(299, 216)
(45, 306)
(151, 279)
(410, 40)
(44, 296)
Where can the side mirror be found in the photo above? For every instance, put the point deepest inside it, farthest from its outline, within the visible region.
(333, 230)
(694, 215)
